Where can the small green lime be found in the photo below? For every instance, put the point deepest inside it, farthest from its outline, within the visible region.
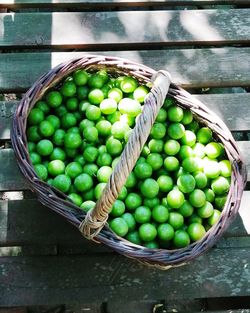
(119, 226)
(165, 232)
(36, 116)
(134, 237)
(83, 182)
(90, 154)
(196, 231)
(142, 214)
(44, 147)
(46, 129)
(160, 214)
(165, 183)
(176, 220)
(130, 220)
(147, 232)
(56, 167)
(54, 99)
(62, 182)
(104, 173)
(197, 198)
(181, 239)
(41, 171)
(175, 199)
(73, 169)
(149, 188)
(87, 205)
(133, 201)
(118, 208)
(172, 147)
(76, 199)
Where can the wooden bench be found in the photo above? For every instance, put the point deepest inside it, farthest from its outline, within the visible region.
(43, 259)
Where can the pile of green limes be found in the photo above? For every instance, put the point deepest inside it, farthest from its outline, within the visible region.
(178, 186)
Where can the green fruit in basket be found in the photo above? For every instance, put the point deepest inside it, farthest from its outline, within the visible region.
(160, 214)
(73, 169)
(131, 180)
(196, 231)
(187, 117)
(80, 77)
(99, 190)
(93, 113)
(114, 146)
(62, 182)
(188, 138)
(119, 129)
(197, 198)
(83, 105)
(87, 205)
(75, 198)
(116, 94)
(175, 199)
(192, 164)
(130, 220)
(172, 147)
(108, 106)
(54, 120)
(31, 147)
(142, 214)
(118, 208)
(175, 113)
(128, 84)
(90, 134)
(194, 218)
(165, 232)
(214, 218)
(42, 105)
(89, 195)
(225, 168)
(199, 150)
(104, 173)
(61, 110)
(186, 209)
(86, 124)
(181, 239)
(95, 96)
(104, 128)
(90, 154)
(83, 182)
(156, 145)
(165, 183)
(147, 232)
(158, 131)
(143, 170)
(56, 167)
(36, 116)
(220, 185)
(213, 150)
(171, 164)
(168, 102)
(176, 220)
(72, 140)
(54, 99)
(41, 171)
(58, 154)
(68, 120)
(130, 107)
(151, 202)
(186, 183)
(79, 159)
(162, 116)
(134, 237)
(149, 188)
(46, 128)
(176, 131)
(133, 201)
(44, 147)
(68, 89)
(193, 126)
(204, 135)
(58, 137)
(220, 201)
(140, 93)
(211, 168)
(35, 158)
(123, 193)
(200, 180)
(82, 92)
(206, 210)
(151, 244)
(119, 226)
(104, 159)
(186, 152)
(209, 194)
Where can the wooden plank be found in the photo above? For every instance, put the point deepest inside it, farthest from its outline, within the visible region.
(64, 279)
(27, 222)
(188, 67)
(85, 29)
(225, 105)
(11, 178)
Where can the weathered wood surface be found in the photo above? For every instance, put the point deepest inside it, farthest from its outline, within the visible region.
(188, 67)
(57, 279)
(192, 27)
(24, 222)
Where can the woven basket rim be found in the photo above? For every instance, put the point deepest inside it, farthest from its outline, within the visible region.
(48, 195)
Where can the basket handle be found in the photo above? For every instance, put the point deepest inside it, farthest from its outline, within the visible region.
(96, 218)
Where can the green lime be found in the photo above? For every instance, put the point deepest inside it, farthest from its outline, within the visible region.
(44, 147)
(73, 169)
(156, 145)
(82, 92)
(214, 218)
(60, 111)
(197, 198)
(72, 140)
(90, 154)
(186, 209)
(90, 134)
(187, 117)
(220, 185)
(160, 214)
(104, 128)
(58, 154)
(189, 138)
(58, 137)
(68, 120)
(41, 171)
(204, 135)
(83, 182)
(175, 113)
(165, 232)
(42, 105)
(130, 107)
(85, 124)
(220, 201)
(171, 163)
(72, 104)
(165, 183)
(128, 84)
(206, 210)
(142, 214)
(143, 170)
(96, 81)
(108, 106)
(147, 232)
(79, 159)
(119, 129)
(209, 194)
(194, 218)
(89, 195)
(93, 113)
(87, 205)
(54, 99)
(56, 167)
(116, 94)
(196, 231)
(99, 189)
(193, 126)
(36, 116)
(151, 202)
(83, 105)
(131, 180)
(181, 239)
(114, 117)
(211, 168)
(172, 147)
(118, 208)
(162, 116)
(104, 159)
(168, 102)
(95, 96)
(54, 120)
(114, 146)
(133, 201)
(158, 131)
(140, 93)
(175, 199)
(176, 220)
(186, 183)
(200, 180)
(199, 150)
(62, 182)
(225, 168)
(105, 89)
(130, 220)
(213, 150)
(150, 188)
(75, 198)
(80, 77)
(151, 244)
(104, 173)
(192, 164)
(123, 193)
(90, 169)
(119, 226)
(46, 129)
(68, 89)
(35, 158)
(176, 130)
(186, 152)
(134, 237)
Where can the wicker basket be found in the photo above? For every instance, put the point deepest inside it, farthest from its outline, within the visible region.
(93, 224)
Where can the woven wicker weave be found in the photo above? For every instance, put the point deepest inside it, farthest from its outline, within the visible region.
(93, 225)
